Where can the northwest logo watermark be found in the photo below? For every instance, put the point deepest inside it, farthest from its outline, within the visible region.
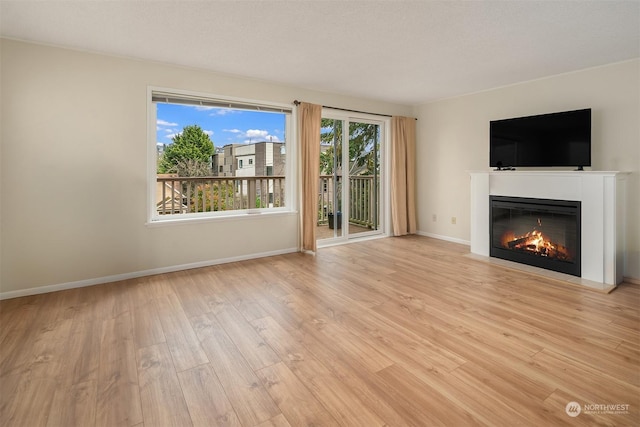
(573, 409)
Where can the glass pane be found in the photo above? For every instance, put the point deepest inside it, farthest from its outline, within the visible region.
(213, 159)
(330, 185)
(364, 177)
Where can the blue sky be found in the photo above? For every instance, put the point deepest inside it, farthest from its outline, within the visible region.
(224, 126)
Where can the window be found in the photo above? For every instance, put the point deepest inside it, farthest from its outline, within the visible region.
(190, 134)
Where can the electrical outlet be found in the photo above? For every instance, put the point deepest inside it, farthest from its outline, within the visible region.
(434, 218)
(453, 220)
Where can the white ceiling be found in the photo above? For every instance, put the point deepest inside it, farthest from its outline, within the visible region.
(408, 52)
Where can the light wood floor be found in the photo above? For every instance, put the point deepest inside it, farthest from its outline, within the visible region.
(397, 331)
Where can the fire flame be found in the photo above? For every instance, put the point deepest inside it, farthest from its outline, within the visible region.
(536, 243)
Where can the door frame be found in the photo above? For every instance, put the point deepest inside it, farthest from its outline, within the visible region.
(384, 219)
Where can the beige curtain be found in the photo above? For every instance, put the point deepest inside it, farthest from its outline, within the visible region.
(309, 117)
(403, 171)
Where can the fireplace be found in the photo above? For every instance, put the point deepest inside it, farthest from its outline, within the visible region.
(539, 232)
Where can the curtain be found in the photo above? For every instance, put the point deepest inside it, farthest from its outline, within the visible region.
(403, 171)
(309, 117)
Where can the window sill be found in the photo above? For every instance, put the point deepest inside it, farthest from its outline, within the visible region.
(222, 218)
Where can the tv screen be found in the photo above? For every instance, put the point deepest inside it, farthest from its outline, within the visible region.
(556, 139)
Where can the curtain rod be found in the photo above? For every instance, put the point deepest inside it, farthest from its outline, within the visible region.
(296, 103)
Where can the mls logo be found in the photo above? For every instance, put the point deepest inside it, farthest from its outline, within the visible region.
(573, 409)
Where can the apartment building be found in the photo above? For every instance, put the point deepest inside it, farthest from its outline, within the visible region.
(255, 159)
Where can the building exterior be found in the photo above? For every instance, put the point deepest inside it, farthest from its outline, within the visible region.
(254, 162)
(256, 159)
(217, 162)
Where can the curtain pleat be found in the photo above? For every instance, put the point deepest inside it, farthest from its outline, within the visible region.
(403, 171)
(309, 118)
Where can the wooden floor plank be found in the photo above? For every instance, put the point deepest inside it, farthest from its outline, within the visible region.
(349, 401)
(183, 344)
(424, 400)
(161, 396)
(248, 397)
(258, 354)
(351, 345)
(208, 404)
(586, 381)
(31, 402)
(277, 421)
(82, 353)
(118, 395)
(147, 328)
(74, 405)
(297, 403)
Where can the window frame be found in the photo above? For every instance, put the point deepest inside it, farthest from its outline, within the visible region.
(154, 219)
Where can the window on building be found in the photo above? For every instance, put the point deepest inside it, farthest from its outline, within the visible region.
(191, 128)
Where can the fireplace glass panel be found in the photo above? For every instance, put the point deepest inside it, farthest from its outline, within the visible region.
(539, 232)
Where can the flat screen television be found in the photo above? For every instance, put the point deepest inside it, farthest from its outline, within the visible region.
(556, 139)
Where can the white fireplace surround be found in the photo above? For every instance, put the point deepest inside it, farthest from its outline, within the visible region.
(602, 196)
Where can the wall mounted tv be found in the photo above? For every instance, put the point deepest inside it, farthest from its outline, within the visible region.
(556, 139)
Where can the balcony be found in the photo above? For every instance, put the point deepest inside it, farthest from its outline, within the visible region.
(183, 195)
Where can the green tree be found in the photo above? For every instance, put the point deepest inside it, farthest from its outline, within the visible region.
(190, 152)
(363, 146)
(212, 197)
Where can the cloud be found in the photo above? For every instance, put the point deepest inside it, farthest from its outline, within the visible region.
(259, 135)
(161, 122)
(208, 132)
(223, 112)
(171, 135)
(251, 135)
(215, 111)
(256, 133)
(203, 108)
(272, 138)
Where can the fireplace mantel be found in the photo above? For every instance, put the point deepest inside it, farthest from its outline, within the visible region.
(602, 195)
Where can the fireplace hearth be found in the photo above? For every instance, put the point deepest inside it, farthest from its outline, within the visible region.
(539, 232)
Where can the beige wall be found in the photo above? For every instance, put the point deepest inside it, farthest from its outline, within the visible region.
(453, 138)
(73, 169)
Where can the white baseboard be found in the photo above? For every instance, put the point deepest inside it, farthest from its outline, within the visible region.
(136, 274)
(447, 238)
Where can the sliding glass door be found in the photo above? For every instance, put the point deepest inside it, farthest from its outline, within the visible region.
(350, 202)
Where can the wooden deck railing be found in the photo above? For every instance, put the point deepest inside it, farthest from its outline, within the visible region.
(180, 195)
(363, 200)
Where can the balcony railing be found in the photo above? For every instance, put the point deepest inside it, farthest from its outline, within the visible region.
(181, 195)
(363, 200)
